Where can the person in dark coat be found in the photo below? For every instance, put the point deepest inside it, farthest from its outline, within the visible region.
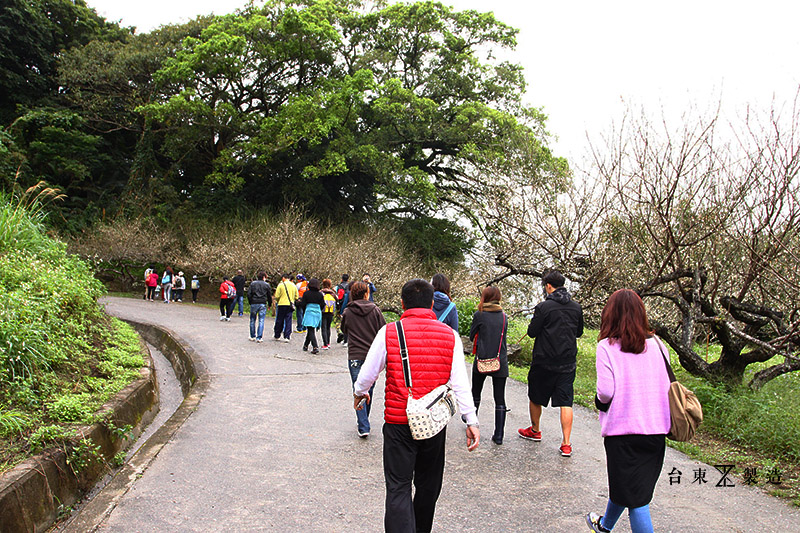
(443, 306)
(361, 321)
(556, 325)
(488, 333)
(312, 303)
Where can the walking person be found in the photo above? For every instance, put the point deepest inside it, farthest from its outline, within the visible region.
(227, 296)
(361, 321)
(166, 284)
(632, 396)
(341, 290)
(152, 283)
(238, 282)
(372, 290)
(443, 306)
(313, 303)
(285, 296)
(195, 288)
(436, 357)
(556, 325)
(180, 286)
(302, 287)
(328, 312)
(260, 297)
(488, 334)
(147, 271)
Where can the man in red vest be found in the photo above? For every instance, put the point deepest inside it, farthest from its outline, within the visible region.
(436, 357)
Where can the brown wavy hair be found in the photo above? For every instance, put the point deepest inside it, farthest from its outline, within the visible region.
(624, 319)
(489, 294)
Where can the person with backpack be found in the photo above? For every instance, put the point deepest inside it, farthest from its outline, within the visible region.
(329, 296)
(443, 307)
(341, 290)
(195, 288)
(180, 286)
(238, 282)
(313, 303)
(166, 284)
(285, 296)
(302, 287)
(227, 297)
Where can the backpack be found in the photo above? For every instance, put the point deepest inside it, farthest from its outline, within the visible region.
(166, 279)
(340, 290)
(330, 303)
(195, 283)
(231, 291)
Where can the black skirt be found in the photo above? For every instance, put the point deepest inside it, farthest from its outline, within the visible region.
(634, 463)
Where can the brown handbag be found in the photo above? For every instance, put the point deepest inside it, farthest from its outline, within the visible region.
(685, 411)
(487, 366)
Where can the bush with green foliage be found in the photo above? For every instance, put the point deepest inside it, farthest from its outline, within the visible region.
(61, 356)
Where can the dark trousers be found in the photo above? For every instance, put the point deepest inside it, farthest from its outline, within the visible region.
(226, 306)
(407, 461)
(151, 292)
(311, 337)
(283, 321)
(327, 318)
(194, 294)
(498, 387)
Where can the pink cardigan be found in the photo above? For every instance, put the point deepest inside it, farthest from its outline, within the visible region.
(637, 385)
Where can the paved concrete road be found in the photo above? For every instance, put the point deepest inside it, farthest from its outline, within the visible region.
(273, 447)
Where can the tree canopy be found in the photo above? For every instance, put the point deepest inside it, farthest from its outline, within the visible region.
(390, 114)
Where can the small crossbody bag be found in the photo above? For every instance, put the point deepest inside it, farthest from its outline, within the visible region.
(487, 366)
(429, 415)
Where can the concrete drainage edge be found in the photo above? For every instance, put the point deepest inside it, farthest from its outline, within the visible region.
(34, 492)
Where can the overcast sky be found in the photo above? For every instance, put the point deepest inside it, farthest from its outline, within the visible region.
(584, 58)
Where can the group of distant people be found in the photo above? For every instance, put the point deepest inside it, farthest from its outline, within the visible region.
(170, 285)
(632, 381)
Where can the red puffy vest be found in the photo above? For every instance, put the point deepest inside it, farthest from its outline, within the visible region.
(430, 355)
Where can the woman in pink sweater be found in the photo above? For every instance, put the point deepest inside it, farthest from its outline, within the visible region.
(632, 386)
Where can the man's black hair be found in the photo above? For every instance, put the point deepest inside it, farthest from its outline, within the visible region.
(417, 294)
(286, 275)
(345, 277)
(554, 278)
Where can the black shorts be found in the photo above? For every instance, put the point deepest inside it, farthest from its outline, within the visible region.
(546, 386)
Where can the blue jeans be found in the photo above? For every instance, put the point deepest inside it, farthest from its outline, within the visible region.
(240, 302)
(261, 311)
(363, 415)
(639, 517)
(300, 326)
(283, 321)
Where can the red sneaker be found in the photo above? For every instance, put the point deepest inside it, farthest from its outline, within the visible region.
(530, 434)
(566, 450)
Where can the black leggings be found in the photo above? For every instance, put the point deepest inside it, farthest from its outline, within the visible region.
(151, 292)
(498, 387)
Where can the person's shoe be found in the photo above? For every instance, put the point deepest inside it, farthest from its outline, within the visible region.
(221, 318)
(499, 424)
(305, 348)
(345, 345)
(326, 347)
(566, 450)
(276, 339)
(530, 434)
(315, 351)
(240, 314)
(285, 339)
(259, 341)
(363, 434)
(227, 319)
(593, 521)
(252, 339)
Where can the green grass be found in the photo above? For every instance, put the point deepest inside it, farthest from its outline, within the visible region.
(61, 357)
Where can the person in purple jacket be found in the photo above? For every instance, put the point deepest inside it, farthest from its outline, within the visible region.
(632, 387)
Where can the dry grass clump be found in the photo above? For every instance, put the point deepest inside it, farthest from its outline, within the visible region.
(286, 243)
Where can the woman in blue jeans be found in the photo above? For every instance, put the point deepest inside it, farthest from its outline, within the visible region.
(361, 321)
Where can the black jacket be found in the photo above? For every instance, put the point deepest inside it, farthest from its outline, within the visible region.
(238, 282)
(260, 293)
(311, 297)
(489, 327)
(556, 324)
(361, 321)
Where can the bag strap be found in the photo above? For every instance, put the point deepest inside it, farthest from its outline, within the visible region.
(502, 331)
(446, 312)
(670, 373)
(401, 337)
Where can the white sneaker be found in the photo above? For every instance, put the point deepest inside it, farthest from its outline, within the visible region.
(221, 318)
(252, 339)
(285, 339)
(227, 319)
(259, 341)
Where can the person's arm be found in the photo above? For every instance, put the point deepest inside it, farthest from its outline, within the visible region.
(537, 322)
(463, 392)
(580, 323)
(605, 376)
(374, 363)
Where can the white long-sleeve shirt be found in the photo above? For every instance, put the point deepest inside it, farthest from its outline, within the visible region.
(376, 362)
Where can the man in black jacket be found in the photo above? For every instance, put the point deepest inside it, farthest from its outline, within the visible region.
(238, 282)
(260, 298)
(556, 324)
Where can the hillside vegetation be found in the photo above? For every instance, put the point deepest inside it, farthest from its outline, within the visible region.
(61, 357)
